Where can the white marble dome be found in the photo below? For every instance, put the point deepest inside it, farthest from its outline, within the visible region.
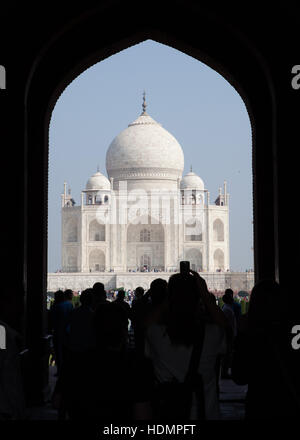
(97, 181)
(144, 150)
(192, 181)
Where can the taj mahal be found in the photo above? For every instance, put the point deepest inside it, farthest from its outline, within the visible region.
(144, 218)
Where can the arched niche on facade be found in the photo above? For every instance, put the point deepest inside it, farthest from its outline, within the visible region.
(219, 259)
(194, 256)
(96, 231)
(218, 230)
(96, 260)
(145, 262)
(71, 231)
(193, 230)
(145, 245)
(71, 259)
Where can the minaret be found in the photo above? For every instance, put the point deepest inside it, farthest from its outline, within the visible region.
(225, 193)
(64, 195)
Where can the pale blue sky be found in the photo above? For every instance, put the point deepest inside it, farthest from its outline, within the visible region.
(192, 101)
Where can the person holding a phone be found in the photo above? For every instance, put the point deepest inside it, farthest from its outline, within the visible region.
(193, 323)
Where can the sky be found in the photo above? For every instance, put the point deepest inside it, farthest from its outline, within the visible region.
(192, 101)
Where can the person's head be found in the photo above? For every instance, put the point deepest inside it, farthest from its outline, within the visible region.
(227, 298)
(110, 326)
(229, 292)
(86, 298)
(183, 299)
(68, 295)
(121, 295)
(265, 303)
(98, 294)
(98, 287)
(158, 291)
(58, 296)
(139, 292)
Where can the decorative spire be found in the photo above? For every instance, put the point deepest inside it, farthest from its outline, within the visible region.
(144, 103)
(191, 170)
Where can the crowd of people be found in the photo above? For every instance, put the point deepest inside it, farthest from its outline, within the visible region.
(183, 344)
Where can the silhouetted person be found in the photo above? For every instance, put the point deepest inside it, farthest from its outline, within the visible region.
(99, 295)
(231, 333)
(158, 291)
(228, 311)
(157, 305)
(120, 301)
(54, 320)
(138, 294)
(58, 298)
(260, 355)
(193, 320)
(81, 336)
(62, 317)
(79, 352)
(139, 309)
(106, 393)
(236, 307)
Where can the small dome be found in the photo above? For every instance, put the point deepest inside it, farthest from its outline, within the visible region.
(97, 181)
(192, 181)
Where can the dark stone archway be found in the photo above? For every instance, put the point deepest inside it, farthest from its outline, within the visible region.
(54, 45)
(94, 37)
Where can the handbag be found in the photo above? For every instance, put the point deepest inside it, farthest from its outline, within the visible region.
(174, 399)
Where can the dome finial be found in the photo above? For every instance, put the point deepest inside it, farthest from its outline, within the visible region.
(191, 170)
(144, 103)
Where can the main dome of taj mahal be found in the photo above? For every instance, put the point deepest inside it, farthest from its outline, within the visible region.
(144, 150)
